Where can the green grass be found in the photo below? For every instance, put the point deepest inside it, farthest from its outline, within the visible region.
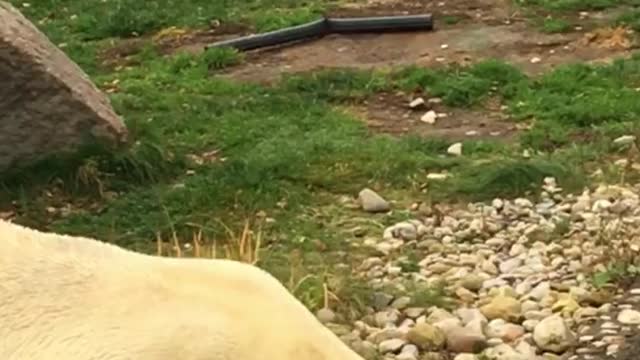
(555, 25)
(287, 141)
(463, 86)
(97, 19)
(631, 19)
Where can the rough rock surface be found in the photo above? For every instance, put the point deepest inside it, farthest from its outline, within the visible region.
(47, 103)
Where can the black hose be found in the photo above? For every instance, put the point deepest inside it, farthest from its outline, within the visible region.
(313, 29)
(327, 26)
(381, 24)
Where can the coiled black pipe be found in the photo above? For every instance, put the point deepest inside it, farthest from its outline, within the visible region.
(327, 26)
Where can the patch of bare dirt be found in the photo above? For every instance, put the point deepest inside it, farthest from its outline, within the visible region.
(516, 43)
(480, 10)
(389, 113)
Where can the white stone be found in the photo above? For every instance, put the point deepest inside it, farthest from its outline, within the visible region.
(455, 149)
(429, 117)
(416, 103)
(553, 334)
(624, 140)
(391, 345)
(465, 356)
(629, 317)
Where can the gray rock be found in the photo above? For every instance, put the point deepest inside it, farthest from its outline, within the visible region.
(503, 330)
(465, 357)
(468, 315)
(381, 300)
(427, 337)
(370, 201)
(624, 140)
(510, 265)
(326, 315)
(391, 345)
(504, 352)
(553, 334)
(629, 317)
(472, 282)
(463, 340)
(404, 230)
(49, 105)
(408, 352)
(401, 302)
(502, 307)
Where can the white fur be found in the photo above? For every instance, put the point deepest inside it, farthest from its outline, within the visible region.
(73, 298)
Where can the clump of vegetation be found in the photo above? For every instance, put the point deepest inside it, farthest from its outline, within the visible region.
(506, 178)
(630, 18)
(554, 25)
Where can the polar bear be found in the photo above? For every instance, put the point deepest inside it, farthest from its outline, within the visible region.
(75, 298)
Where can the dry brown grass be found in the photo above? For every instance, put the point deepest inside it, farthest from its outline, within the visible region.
(244, 246)
(610, 38)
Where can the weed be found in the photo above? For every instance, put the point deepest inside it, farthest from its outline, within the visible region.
(555, 25)
(451, 19)
(463, 86)
(631, 19)
(337, 84)
(505, 178)
(580, 96)
(211, 59)
(219, 58)
(278, 18)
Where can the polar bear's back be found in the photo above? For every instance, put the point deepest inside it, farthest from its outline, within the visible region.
(78, 298)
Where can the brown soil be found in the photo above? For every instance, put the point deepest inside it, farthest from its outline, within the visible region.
(514, 43)
(390, 113)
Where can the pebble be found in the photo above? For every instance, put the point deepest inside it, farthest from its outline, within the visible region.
(429, 117)
(326, 315)
(427, 337)
(417, 102)
(629, 317)
(372, 202)
(518, 271)
(502, 307)
(463, 340)
(624, 140)
(553, 334)
(455, 149)
(391, 345)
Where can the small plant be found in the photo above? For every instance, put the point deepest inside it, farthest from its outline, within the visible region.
(555, 25)
(451, 19)
(630, 19)
(505, 178)
(220, 58)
